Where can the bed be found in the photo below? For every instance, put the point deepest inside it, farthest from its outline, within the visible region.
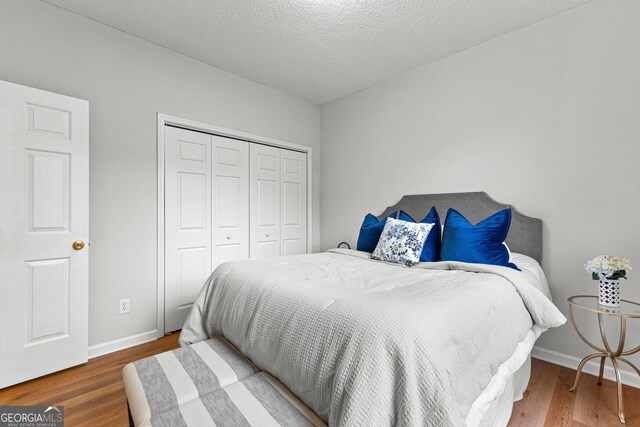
(364, 342)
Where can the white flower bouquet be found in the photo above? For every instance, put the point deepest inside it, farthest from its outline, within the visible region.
(611, 267)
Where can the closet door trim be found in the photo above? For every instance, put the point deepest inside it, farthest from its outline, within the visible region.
(169, 120)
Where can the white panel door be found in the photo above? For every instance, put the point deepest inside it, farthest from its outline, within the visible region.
(293, 223)
(187, 221)
(44, 209)
(230, 200)
(264, 201)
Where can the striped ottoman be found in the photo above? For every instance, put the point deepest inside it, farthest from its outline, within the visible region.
(207, 384)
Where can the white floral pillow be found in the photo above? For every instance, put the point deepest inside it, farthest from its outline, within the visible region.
(401, 242)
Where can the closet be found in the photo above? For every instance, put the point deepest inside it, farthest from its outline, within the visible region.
(226, 199)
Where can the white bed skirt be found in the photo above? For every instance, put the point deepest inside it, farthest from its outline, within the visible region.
(494, 405)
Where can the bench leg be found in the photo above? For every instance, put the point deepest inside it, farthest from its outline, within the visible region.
(129, 413)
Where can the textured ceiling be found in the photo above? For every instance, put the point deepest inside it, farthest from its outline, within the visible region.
(318, 50)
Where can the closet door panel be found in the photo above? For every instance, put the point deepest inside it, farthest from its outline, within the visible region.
(294, 202)
(230, 200)
(265, 209)
(266, 202)
(187, 221)
(230, 252)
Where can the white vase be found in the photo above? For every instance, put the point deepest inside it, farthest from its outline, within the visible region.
(609, 294)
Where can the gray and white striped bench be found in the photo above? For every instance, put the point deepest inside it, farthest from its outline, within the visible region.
(207, 384)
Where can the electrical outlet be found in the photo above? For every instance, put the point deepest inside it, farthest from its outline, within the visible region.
(124, 306)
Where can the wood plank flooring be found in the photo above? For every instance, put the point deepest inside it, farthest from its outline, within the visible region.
(548, 403)
(93, 394)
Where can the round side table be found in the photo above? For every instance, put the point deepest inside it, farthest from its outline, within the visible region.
(627, 310)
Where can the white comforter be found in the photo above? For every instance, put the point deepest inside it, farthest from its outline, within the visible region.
(367, 343)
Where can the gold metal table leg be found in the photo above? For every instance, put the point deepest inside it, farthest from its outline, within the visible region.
(619, 384)
(581, 365)
(630, 364)
(602, 359)
(605, 353)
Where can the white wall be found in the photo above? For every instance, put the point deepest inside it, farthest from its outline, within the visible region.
(127, 81)
(546, 118)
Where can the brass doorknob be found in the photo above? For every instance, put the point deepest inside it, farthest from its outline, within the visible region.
(78, 244)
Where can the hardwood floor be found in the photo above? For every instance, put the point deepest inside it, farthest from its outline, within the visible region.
(93, 394)
(548, 403)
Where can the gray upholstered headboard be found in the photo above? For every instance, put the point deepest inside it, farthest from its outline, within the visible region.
(525, 233)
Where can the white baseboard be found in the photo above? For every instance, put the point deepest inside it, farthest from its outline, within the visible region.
(629, 377)
(121, 344)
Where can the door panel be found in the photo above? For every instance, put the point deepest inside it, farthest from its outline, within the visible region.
(44, 208)
(192, 201)
(48, 121)
(47, 191)
(193, 151)
(192, 273)
(47, 299)
(293, 247)
(291, 197)
(228, 195)
(294, 202)
(187, 221)
(267, 248)
(230, 200)
(267, 158)
(232, 252)
(265, 201)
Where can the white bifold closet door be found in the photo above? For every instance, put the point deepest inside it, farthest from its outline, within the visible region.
(278, 202)
(293, 217)
(187, 221)
(265, 201)
(226, 200)
(206, 213)
(230, 202)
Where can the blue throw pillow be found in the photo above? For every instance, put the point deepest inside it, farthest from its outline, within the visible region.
(370, 232)
(481, 243)
(431, 249)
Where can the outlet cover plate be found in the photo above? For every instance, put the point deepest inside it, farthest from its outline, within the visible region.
(124, 306)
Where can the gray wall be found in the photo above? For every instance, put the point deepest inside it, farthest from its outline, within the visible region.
(127, 81)
(546, 118)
